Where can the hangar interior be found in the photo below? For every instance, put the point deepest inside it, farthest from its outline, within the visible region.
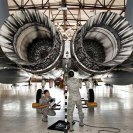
(42, 40)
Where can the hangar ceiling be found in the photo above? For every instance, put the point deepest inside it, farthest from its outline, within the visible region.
(68, 15)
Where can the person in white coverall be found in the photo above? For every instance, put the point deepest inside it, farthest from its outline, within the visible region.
(73, 85)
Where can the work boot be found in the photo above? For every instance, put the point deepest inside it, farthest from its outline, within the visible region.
(71, 127)
(81, 123)
(45, 118)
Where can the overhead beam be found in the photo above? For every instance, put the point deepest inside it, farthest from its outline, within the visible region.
(95, 3)
(68, 16)
(79, 13)
(112, 2)
(69, 8)
(16, 4)
(64, 4)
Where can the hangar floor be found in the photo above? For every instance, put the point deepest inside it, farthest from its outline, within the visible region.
(115, 109)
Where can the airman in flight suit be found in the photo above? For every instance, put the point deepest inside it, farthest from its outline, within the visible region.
(45, 102)
(73, 85)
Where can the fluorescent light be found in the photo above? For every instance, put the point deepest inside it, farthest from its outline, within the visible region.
(62, 8)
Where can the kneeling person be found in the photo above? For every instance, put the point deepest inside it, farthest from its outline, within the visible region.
(45, 105)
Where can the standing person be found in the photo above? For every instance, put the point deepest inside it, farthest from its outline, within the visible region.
(43, 83)
(38, 97)
(73, 85)
(45, 105)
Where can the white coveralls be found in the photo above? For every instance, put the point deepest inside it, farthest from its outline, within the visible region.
(73, 85)
(46, 111)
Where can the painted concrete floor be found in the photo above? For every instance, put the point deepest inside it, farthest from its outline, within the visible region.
(115, 109)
